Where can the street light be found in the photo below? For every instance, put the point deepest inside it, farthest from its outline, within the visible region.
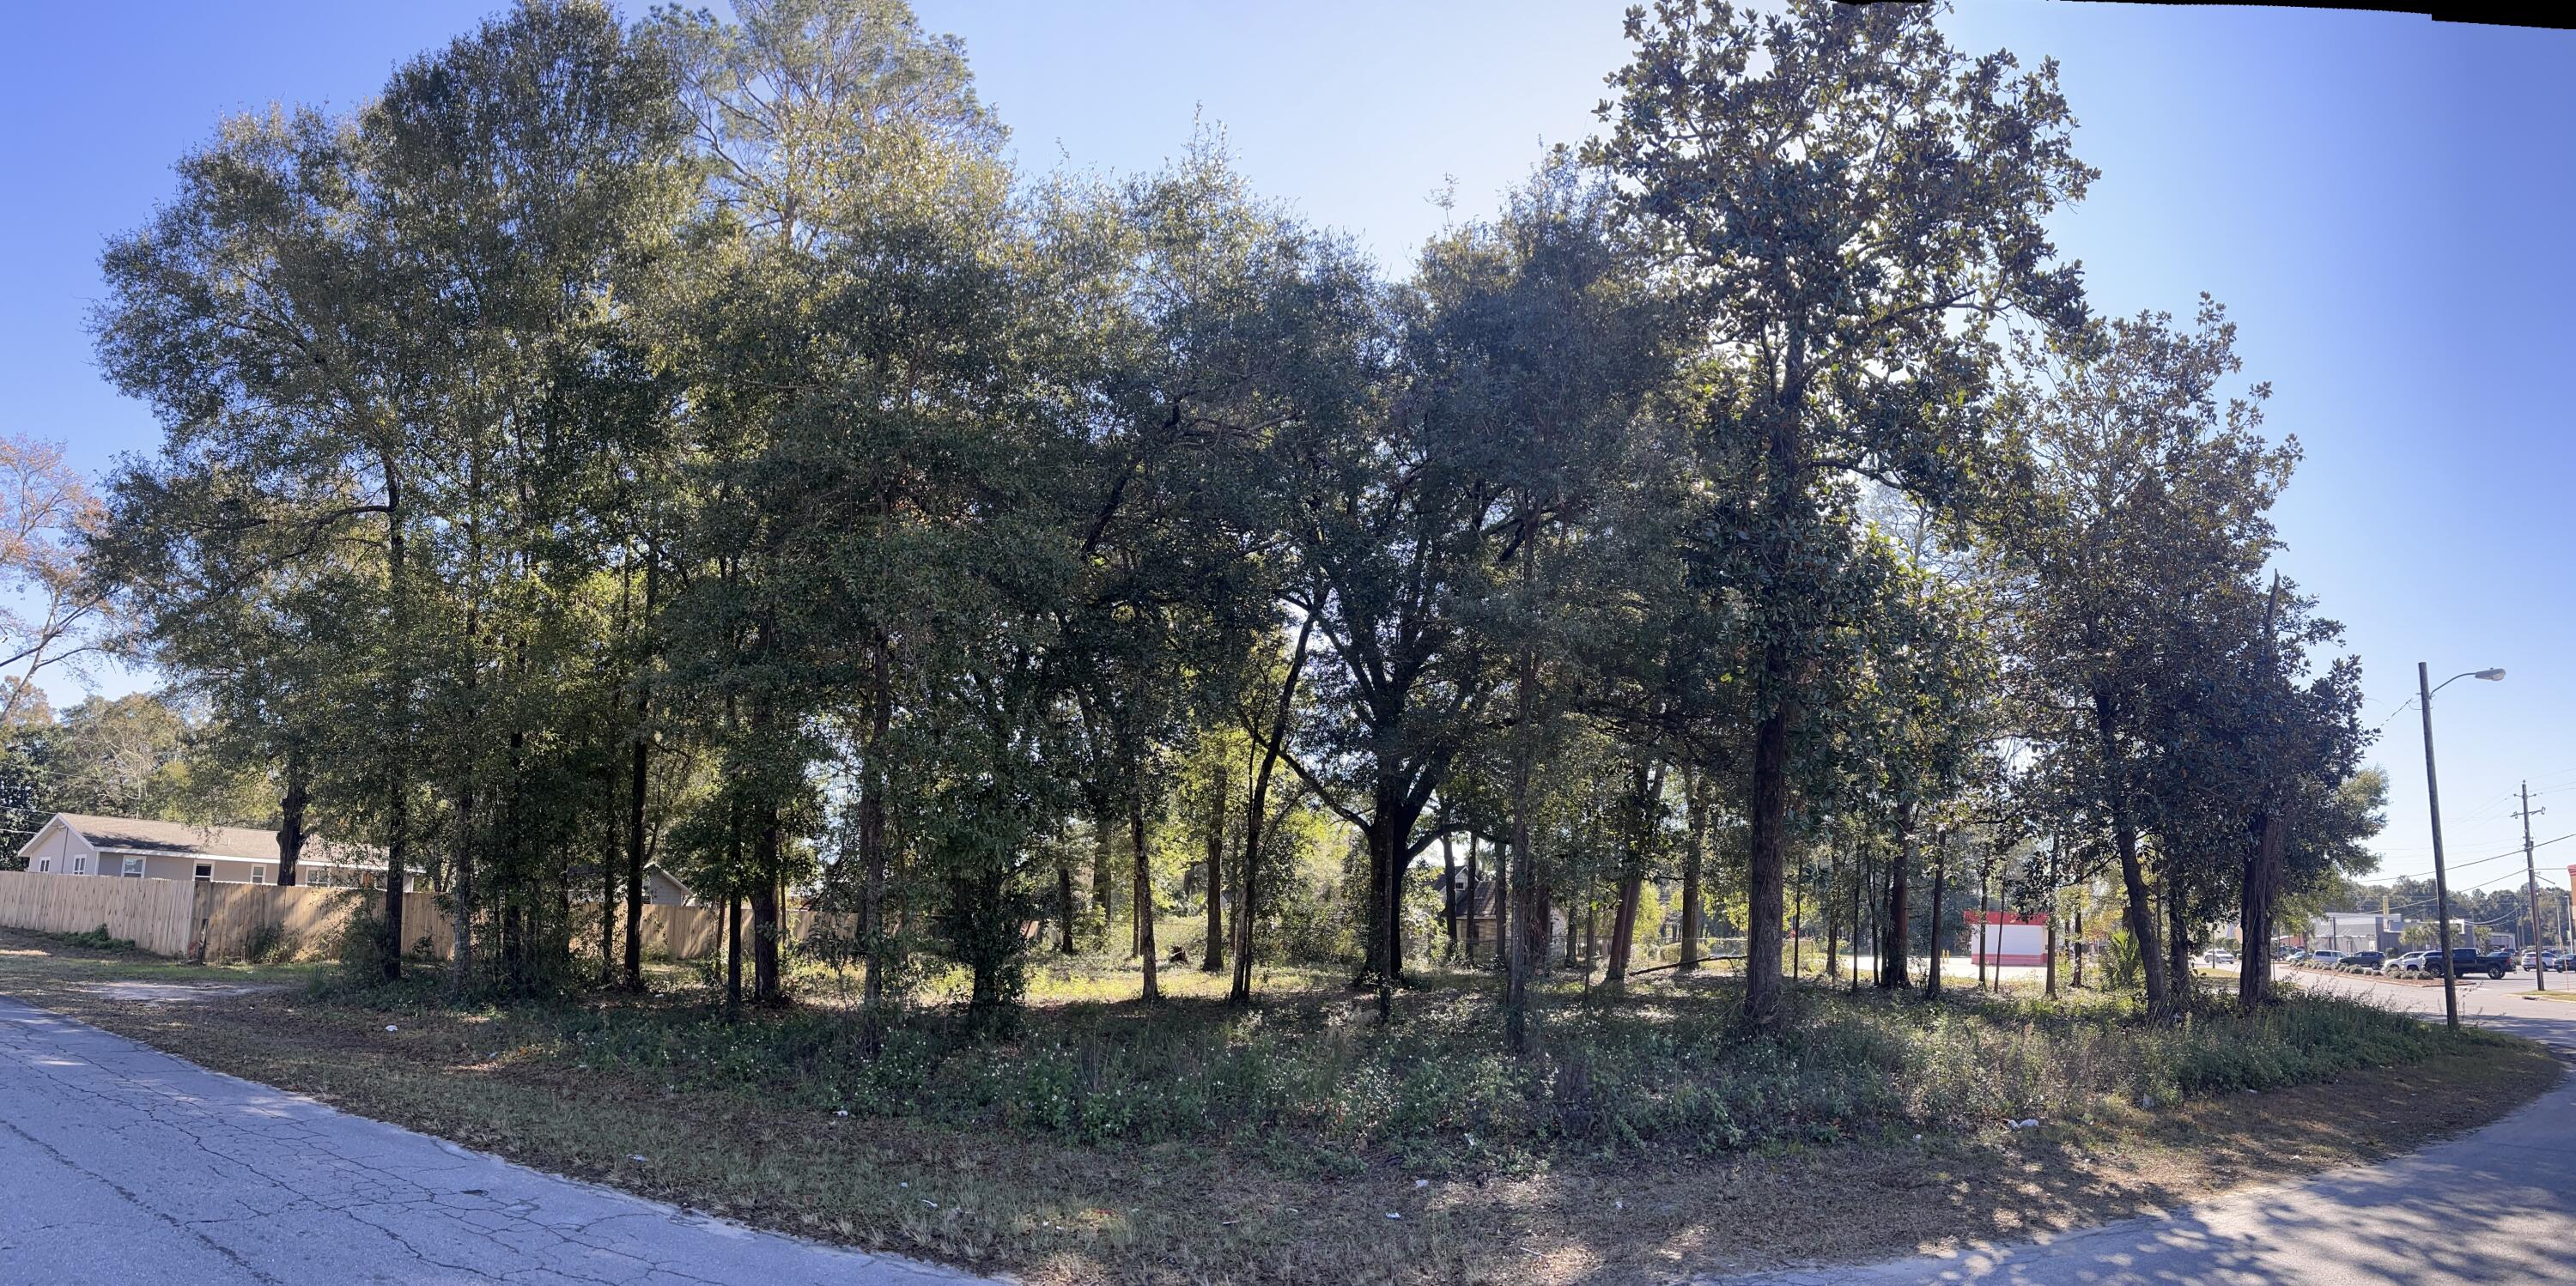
(2424, 690)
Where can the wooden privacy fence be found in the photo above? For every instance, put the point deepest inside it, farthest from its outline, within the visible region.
(692, 932)
(237, 921)
(223, 922)
(153, 914)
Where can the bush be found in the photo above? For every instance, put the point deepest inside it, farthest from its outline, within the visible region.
(268, 943)
(99, 939)
(1306, 929)
(363, 949)
(2123, 969)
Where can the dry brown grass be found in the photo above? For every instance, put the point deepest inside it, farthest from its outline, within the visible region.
(1259, 1211)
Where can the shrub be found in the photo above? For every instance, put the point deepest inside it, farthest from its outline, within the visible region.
(2122, 967)
(99, 939)
(363, 948)
(269, 942)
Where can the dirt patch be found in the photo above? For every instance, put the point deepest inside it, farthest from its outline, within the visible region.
(179, 993)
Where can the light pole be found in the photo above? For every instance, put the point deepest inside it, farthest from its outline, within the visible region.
(2531, 892)
(2424, 690)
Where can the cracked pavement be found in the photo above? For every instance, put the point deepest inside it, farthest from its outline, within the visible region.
(2487, 1207)
(123, 1164)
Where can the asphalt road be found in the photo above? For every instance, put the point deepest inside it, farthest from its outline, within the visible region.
(2489, 1207)
(122, 1164)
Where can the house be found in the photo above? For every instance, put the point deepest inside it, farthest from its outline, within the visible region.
(661, 888)
(81, 844)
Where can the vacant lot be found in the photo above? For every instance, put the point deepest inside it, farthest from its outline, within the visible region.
(1299, 1142)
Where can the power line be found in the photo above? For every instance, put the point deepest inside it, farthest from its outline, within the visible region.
(2515, 851)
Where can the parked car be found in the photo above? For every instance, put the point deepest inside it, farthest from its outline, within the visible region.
(2548, 958)
(2367, 960)
(2326, 959)
(2407, 961)
(2217, 957)
(2296, 955)
(2464, 961)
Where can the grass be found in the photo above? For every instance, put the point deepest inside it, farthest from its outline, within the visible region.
(1189, 1143)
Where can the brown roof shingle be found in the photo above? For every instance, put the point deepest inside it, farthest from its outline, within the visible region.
(241, 842)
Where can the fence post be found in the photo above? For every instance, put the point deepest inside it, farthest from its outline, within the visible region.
(200, 909)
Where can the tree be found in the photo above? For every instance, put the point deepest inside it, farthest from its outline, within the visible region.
(1847, 201)
(262, 316)
(854, 180)
(2137, 525)
(46, 512)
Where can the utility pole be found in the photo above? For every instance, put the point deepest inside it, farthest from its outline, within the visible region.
(2531, 891)
(2441, 879)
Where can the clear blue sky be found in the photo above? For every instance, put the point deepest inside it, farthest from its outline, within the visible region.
(2380, 200)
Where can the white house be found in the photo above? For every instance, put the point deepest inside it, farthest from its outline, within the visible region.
(80, 844)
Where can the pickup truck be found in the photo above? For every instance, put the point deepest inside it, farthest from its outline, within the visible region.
(2468, 960)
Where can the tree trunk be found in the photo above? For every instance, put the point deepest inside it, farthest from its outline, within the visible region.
(1254, 817)
(290, 818)
(1449, 892)
(1860, 879)
(2262, 884)
(1623, 923)
(733, 951)
(1521, 917)
(765, 912)
(398, 802)
(1473, 892)
(1064, 908)
(1692, 854)
(2079, 948)
(1985, 928)
(607, 898)
(2186, 988)
(460, 956)
(1543, 950)
(1583, 943)
(1521, 873)
(1104, 856)
(1833, 919)
(2052, 953)
(1214, 953)
(733, 906)
(1591, 918)
(1765, 858)
(1144, 885)
(872, 849)
(1940, 880)
(1104, 892)
(1894, 969)
(1798, 931)
(2262, 889)
(2133, 873)
(638, 772)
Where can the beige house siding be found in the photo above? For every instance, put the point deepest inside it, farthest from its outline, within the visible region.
(53, 850)
(168, 851)
(182, 866)
(661, 890)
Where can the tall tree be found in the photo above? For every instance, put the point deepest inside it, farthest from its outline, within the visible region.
(1846, 197)
(2137, 529)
